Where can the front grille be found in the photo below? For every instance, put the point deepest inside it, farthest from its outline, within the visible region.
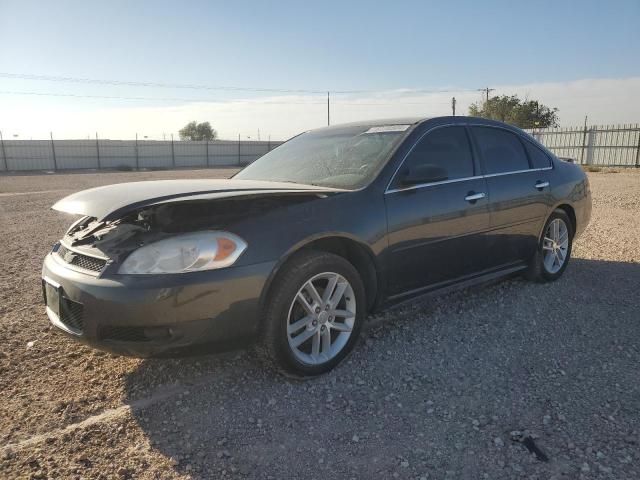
(81, 261)
(124, 334)
(71, 314)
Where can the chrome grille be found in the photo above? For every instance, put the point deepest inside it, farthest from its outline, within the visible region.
(79, 260)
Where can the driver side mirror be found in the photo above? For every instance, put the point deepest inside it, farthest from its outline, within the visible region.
(425, 173)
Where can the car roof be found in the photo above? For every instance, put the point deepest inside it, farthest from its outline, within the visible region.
(380, 122)
(414, 121)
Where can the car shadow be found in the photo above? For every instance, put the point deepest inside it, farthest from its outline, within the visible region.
(379, 414)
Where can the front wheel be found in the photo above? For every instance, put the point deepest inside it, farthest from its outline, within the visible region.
(554, 249)
(314, 314)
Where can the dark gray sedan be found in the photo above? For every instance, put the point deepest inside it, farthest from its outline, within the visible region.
(296, 249)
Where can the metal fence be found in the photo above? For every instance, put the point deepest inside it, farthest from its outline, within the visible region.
(19, 155)
(605, 145)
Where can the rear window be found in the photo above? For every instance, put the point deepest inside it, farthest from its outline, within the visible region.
(502, 151)
(539, 159)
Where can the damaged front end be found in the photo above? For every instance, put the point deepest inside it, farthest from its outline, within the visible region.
(95, 245)
(119, 219)
(116, 280)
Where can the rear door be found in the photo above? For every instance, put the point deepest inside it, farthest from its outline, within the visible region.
(519, 193)
(436, 230)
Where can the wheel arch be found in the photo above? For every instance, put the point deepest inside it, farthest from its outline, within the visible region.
(344, 245)
(566, 208)
(571, 213)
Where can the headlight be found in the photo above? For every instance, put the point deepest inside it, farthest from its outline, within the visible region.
(190, 252)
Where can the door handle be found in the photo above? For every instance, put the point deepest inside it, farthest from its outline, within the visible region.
(541, 185)
(472, 197)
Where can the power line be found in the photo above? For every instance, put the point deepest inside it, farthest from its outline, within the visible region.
(96, 81)
(169, 99)
(50, 78)
(108, 97)
(178, 99)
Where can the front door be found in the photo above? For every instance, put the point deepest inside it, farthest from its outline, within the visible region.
(436, 229)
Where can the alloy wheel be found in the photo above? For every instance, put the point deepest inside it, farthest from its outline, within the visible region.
(321, 318)
(555, 245)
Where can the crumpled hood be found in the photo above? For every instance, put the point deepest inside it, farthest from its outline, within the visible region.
(113, 201)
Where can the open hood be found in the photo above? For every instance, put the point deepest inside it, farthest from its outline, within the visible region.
(114, 201)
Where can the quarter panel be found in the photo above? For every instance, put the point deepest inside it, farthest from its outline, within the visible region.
(571, 186)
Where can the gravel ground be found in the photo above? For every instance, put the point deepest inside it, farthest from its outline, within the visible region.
(513, 380)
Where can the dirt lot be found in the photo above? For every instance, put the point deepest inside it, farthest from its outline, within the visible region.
(448, 388)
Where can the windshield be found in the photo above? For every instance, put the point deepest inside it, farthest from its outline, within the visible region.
(346, 157)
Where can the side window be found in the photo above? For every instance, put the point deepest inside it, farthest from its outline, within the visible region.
(539, 159)
(445, 148)
(502, 151)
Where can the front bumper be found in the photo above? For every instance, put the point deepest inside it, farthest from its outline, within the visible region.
(145, 315)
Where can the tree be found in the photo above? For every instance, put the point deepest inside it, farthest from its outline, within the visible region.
(198, 131)
(521, 113)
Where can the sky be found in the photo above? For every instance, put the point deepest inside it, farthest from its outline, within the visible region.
(275, 61)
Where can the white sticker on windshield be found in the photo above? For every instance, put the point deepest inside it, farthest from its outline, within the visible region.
(388, 128)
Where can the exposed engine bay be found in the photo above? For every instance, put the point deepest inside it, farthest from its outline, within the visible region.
(117, 238)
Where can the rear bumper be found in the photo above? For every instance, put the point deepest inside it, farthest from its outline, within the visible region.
(145, 315)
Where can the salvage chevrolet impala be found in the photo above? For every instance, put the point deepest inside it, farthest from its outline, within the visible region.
(295, 250)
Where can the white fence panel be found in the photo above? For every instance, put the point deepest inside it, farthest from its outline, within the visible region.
(27, 155)
(223, 152)
(604, 145)
(71, 154)
(18, 155)
(153, 154)
(252, 151)
(117, 154)
(190, 154)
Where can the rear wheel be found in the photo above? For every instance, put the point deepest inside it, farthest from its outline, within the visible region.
(554, 249)
(314, 314)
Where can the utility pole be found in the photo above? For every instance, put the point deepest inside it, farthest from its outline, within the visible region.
(53, 151)
(328, 110)
(536, 119)
(4, 153)
(173, 153)
(97, 151)
(584, 141)
(486, 91)
(453, 106)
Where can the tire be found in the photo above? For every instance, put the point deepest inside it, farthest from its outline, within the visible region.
(543, 268)
(286, 306)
